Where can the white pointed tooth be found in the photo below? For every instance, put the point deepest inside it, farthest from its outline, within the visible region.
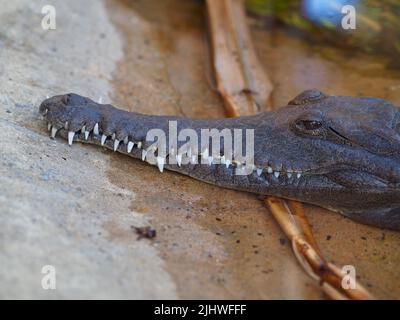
(223, 159)
(49, 126)
(53, 132)
(45, 111)
(210, 161)
(269, 170)
(227, 163)
(103, 139)
(66, 125)
(96, 129)
(276, 174)
(194, 159)
(83, 129)
(139, 145)
(298, 175)
(289, 175)
(130, 146)
(71, 135)
(172, 151)
(86, 135)
(126, 140)
(259, 171)
(179, 159)
(116, 144)
(144, 153)
(113, 136)
(160, 163)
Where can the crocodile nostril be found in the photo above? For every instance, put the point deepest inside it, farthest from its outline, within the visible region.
(65, 98)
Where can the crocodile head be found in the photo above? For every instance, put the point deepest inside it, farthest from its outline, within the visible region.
(342, 153)
(346, 149)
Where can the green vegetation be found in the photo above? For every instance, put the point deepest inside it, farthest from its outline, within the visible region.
(378, 24)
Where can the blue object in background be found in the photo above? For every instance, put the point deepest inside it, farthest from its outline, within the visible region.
(327, 13)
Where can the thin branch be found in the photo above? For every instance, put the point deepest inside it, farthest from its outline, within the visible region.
(245, 88)
(329, 276)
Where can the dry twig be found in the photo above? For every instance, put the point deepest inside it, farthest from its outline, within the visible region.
(294, 224)
(246, 89)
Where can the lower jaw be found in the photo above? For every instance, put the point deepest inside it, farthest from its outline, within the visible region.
(383, 217)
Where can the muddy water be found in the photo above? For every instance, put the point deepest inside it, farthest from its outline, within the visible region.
(219, 243)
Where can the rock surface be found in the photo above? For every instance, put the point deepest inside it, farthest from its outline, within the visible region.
(56, 201)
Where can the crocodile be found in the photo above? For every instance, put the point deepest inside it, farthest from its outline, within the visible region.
(338, 152)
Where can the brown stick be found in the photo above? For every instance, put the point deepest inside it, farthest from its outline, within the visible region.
(327, 274)
(246, 90)
(296, 210)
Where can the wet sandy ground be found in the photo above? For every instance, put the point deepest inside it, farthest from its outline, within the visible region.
(219, 243)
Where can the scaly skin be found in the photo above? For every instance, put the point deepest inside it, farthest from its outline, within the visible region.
(341, 153)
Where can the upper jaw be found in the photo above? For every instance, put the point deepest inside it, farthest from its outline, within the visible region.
(387, 170)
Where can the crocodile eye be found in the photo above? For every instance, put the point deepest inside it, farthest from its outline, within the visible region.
(310, 124)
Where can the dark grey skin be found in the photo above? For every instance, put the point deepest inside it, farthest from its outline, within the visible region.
(341, 153)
